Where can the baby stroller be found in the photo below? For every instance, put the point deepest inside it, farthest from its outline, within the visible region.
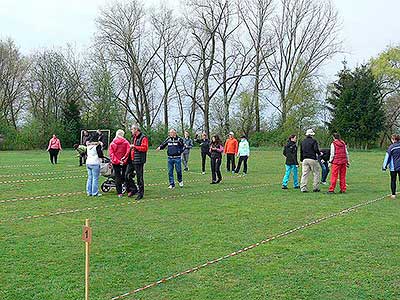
(107, 171)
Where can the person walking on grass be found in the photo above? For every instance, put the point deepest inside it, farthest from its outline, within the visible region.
(291, 165)
(204, 150)
(323, 160)
(309, 152)
(54, 148)
(94, 156)
(119, 150)
(392, 159)
(188, 145)
(231, 150)
(243, 154)
(138, 155)
(216, 150)
(339, 160)
(174, 145)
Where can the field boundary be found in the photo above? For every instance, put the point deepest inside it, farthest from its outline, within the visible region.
(252, 246)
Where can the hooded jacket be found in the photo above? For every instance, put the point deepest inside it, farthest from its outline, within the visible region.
(339, 154)
(118, 150)
(392, 157)
(231, 146)
(290, 152)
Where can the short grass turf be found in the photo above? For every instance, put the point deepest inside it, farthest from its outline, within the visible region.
(354, 256)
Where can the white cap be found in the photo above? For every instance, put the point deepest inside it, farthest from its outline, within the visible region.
(231, 133)
(310, 132)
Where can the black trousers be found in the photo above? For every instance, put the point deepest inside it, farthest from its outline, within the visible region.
(130, 179)
(139, 170)
(216, 169)
(393, 178)
(53, 155)
(244, 160)
(119, 173)
(82, 159)
(203, 160)
(230, 160)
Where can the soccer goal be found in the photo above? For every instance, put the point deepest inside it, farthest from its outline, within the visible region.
(106, 136)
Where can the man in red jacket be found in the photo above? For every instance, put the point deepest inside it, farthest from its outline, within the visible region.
(339, 160)
(138, 155)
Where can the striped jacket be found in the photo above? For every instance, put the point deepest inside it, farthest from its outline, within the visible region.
(392, 157)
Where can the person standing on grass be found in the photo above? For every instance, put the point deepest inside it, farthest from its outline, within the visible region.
(339, 160)
(231, 150)
(188, 145)
(392, 159)
(54, 148)
(94, 156)
(292, 165)
(216, 150)
(102, 139)
(309, 152)
(138, 155)
(119, 148)
(323, 159)
(243, 154)
(174, 151)
(205, 150)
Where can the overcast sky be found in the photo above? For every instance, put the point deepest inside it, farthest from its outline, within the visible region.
(368, 26)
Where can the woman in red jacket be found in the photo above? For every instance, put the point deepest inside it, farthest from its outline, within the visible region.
(339, 160)
(54, 148)
(119, 150)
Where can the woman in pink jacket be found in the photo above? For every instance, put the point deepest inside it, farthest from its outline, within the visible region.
(119, 151)
(54, 148)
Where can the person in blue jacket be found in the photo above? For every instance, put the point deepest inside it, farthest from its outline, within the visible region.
(174, 151)
(392, 159)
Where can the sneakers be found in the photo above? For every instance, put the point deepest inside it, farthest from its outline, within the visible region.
(296, 187)
(171, 187)
(203, 173)
(181, 184)
(330, 192)
(186, 169)
(392, 196)
(119, 195)
(284, 187)
(213, 182)
(316, 190)
(139, 197)
(343, 192)
(323, 182)
(219, 180)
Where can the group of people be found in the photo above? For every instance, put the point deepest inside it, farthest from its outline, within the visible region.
(312, 158)
(128, 159)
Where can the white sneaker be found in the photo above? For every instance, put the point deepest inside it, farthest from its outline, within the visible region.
(171, 187)
(393, 196)
(181, 184)
(203, 173)
(323, 182)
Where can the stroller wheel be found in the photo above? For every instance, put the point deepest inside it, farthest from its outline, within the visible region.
(105, 187)
(123, 189)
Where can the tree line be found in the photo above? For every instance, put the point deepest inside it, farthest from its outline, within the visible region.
(216, 65)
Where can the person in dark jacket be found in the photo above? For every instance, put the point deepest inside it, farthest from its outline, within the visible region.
(137, 159)
(392, 159)
(339, 159)
(102, 139)
(290, 152)
(188, 142)
(309, 152)
(174, 151)
(216, 150)
(323, 159)
(204, 150)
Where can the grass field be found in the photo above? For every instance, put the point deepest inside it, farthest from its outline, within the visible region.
(352, 256)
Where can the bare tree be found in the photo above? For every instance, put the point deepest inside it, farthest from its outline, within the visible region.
(13, 71)
(256, 15)
(305, 35)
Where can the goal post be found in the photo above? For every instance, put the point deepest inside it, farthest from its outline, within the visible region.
(105, 132)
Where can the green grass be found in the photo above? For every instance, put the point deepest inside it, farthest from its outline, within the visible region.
(354, 256)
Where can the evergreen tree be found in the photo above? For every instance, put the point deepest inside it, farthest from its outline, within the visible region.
(356, 108)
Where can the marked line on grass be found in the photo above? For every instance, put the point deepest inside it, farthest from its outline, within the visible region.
(17, 166)
(71, 211)
(252, 246)
(42, 174)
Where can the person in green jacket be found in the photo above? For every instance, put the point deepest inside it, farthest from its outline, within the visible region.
(82, 153)
(243, 154)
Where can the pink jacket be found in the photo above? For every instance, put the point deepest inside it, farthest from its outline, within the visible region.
(54, 143)
(118, 149)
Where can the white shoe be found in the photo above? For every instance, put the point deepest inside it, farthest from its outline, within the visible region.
(171, 187)
(181, 184)
(203, 173)
(393, 196)
(323, 182)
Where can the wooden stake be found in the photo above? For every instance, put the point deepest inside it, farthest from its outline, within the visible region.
(87, 237)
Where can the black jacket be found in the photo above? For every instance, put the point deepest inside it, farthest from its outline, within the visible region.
(175, 146)
(204, 145)
(309, 149)
(290, 151)
(139, 156)
(325, 156)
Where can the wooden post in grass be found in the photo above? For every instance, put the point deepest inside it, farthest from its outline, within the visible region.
(87, 238)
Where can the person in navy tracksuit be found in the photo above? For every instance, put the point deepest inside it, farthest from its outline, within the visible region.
(392, 159)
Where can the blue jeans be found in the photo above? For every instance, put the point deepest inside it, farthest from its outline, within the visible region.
(92, 186)
(177, 163)
(289, 169)
(325, 171)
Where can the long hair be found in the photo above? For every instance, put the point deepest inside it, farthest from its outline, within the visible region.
(217, 140)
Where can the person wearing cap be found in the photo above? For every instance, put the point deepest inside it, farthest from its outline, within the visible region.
(243, 154)
(231, 150)
(309, 152)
